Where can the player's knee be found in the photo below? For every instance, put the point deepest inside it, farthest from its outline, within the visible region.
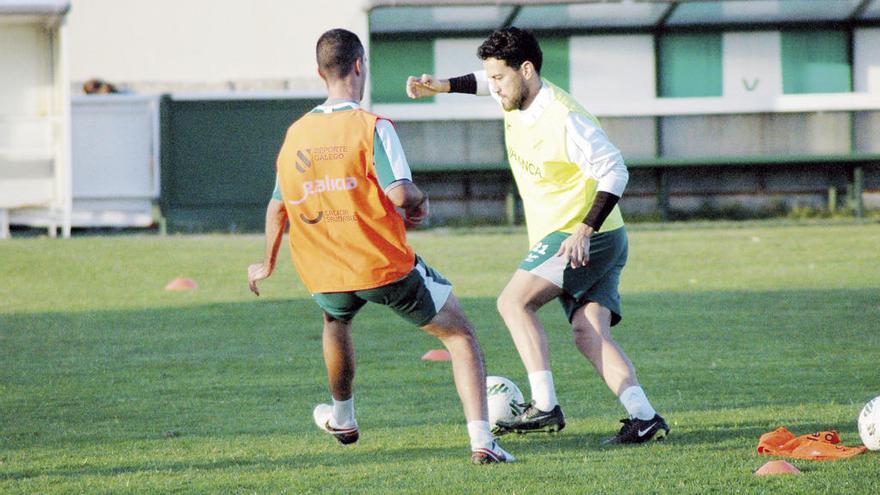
(466, 332)
(500, 304)
(328, 318)
(451, 321)
(461, 326)
(506, 304)
(586, 331)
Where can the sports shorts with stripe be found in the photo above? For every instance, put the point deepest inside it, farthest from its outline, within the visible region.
(417, 297)
(597, 282)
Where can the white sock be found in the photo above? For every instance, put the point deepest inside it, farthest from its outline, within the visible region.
(481, 436)
(343, 413)
(543, 391)
(636, 403)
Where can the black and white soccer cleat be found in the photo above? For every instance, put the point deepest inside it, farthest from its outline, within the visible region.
(636, 430)
(533, 420)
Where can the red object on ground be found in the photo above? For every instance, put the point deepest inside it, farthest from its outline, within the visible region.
(182, 284)
(437, 355)
(818, 446)
(777, 467)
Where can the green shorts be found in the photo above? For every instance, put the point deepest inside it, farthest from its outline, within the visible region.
(417, 297)
(597, 282)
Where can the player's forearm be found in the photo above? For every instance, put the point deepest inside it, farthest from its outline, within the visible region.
(276, 219)
(414, 200)
(404, 194)
(603, 205)
(475, 83)
(444, 86)
(466, 84)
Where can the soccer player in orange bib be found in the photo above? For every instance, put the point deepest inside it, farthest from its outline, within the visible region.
(340, 174)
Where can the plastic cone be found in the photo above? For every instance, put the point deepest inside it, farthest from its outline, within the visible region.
(777, 467)
(437, 355)
(182, 284)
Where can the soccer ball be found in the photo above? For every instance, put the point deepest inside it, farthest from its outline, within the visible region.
(869, 424)
(505, 399)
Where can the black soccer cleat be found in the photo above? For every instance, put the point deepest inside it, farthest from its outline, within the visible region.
(533, 419)
(636, 430)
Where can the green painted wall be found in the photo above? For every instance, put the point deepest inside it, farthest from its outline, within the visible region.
(555, 67)
(218, 161)
(391, 62)
(690, 65)
(816, 62)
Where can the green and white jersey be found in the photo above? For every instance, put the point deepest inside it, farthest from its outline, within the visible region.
(390, 161)
(560, 157)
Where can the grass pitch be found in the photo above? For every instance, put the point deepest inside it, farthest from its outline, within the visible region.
(109, 384)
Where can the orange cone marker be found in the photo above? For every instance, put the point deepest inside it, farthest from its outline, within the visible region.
(437, 355)
(182, 284)
(777, 467)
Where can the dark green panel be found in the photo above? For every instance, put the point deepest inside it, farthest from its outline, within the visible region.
(218, 160)
(816, 62)
(690, 65)
(392, 61)
(555, 67)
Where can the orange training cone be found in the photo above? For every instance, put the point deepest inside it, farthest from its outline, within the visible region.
(437, 355)
(182, 284)
(777, 467)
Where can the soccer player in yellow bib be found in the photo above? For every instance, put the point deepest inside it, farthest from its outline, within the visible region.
(340, 174)
(570, 178)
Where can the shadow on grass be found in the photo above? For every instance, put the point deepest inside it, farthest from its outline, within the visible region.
(723, 434)
(525, 446)
(348, 456)
(256, 367)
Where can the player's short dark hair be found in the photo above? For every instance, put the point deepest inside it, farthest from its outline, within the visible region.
(514, 46)
(336, 51)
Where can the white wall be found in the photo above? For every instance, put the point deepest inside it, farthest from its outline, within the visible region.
(752, 64)
(25, 84)
(205, 43)
(612, 68)
(115, 142)
(34, 125)
(866, 60)
(456, 57)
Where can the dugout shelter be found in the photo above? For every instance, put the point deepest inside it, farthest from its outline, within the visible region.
(35, 172)
(726, 103)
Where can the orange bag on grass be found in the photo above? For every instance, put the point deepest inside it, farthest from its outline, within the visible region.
(819, 446)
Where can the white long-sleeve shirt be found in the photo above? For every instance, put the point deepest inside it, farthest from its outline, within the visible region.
(587, 145)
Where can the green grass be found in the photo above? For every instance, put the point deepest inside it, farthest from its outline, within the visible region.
(109, 384)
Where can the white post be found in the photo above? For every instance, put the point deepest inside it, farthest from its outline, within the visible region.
(4, 223)
(63, 161)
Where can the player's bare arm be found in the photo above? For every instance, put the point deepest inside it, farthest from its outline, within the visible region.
(412, 200)
(428, 85)
(425, 86)
(276, 219)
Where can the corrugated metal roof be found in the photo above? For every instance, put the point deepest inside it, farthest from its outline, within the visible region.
(34, 7)
(413, 16)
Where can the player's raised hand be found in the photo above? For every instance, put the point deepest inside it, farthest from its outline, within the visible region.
(425, 86)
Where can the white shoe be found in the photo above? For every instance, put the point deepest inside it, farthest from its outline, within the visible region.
(491, 456)
(323, 414)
